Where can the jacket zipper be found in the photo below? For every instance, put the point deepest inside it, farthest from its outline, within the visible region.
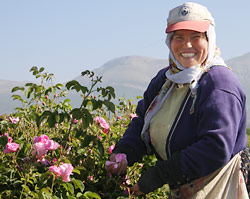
(179, 116)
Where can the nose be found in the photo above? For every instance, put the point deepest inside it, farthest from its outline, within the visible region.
(188, 43)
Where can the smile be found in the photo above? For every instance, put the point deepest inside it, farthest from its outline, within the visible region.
(188, 55)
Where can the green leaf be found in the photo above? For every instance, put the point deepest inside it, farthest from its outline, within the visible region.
(59, 86)
(41, 69)
(94, 104)
(29, 84)
(70, 188)
(17, 97)
(91, 195)
(80, 133)
(61, 117)
(17, 88)
(53, 90)
(46, 191)
(86, 118)
(76, 113)
(67, 100)
(45, 115)
(48, 91)
(44, 178)
(76, 171)
(80, 151)
(34, 68)
(86, 72)
(84, 89)
(73, 85)
(88, 139)
(28, 92)
(26, 187)
(111, 91)
(100, 148)
(52, 119)
(3, 140)
(65, 186)
(79, 185)
(109, 105)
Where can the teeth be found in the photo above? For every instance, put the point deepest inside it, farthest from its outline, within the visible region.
(188, 54)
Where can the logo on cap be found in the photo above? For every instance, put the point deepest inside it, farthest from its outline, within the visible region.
(184, 11)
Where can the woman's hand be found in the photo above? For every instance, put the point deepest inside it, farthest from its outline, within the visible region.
(135, 189)
(116, 167)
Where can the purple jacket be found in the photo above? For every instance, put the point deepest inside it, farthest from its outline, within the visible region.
(204, 140)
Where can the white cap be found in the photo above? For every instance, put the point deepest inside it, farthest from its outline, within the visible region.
(189, 16)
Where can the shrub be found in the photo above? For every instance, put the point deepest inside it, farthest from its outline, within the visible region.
(51, 150)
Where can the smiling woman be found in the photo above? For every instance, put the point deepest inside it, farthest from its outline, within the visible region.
(192, 117)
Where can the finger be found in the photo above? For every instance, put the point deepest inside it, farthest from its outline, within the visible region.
(112, 157)
(122, 167)
(109, 168)
(136, 190)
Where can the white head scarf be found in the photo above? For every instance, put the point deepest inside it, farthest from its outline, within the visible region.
(192, 74)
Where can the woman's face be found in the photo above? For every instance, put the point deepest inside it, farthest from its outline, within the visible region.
(189, 47)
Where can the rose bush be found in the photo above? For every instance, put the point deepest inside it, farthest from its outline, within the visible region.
(50, 150)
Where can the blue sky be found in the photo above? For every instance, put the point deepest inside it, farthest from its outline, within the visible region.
(69, 36)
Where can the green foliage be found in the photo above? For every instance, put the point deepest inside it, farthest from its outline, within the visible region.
(45, 110)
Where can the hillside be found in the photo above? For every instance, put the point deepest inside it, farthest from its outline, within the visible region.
(130, 76)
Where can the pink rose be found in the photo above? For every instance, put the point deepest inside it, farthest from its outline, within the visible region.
(40, 150)
(103, 124)
(63, 171)
(68, 150)
(132, 115)
(66, 171)
(56, 170)
(51, 145)
(53, 161)
(120, 156)
(14, 120)
(90, 178)
(111, 148)
(105, 127)
(42, 138)
(11, 147)
(75, 121)
(119, 117)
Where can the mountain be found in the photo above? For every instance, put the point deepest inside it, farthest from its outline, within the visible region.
(241, 67)
(130, 76)
(7, 105)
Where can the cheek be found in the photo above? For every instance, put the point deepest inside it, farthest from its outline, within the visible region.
(204, 49)
(173, 47)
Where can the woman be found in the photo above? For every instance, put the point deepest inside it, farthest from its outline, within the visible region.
(192, 116)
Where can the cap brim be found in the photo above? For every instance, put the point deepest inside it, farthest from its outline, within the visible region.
(199, 26)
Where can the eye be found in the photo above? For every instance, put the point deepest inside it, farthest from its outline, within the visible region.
(196, 36)
(178, 37)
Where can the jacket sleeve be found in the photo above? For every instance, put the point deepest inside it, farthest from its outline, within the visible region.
(131, 143)
(220, 124)
(221, 117)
